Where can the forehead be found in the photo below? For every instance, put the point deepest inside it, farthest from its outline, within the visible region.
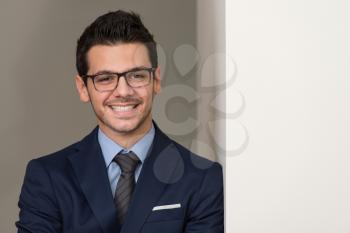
(117, 57)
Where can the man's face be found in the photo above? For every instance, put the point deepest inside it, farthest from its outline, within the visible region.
(125, 110)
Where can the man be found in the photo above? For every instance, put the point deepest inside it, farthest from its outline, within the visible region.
(126, 175)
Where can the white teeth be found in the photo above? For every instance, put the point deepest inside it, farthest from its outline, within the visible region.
(122, 108)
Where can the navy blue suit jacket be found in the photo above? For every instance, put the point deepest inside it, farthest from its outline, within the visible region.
(69, 192)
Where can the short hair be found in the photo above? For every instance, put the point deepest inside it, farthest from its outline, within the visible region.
(112, 28)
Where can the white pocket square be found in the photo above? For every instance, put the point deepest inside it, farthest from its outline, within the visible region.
(166, 207)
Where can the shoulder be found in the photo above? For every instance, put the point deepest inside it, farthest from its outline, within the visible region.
(175, 153)
(59, 158)
(189, 167)
(197, 163)
(52, 162)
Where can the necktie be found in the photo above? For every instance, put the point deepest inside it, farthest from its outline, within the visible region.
(125, 186)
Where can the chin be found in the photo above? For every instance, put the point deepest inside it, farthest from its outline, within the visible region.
(125, 127)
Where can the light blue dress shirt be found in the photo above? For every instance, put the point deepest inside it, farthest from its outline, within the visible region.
(110, 149)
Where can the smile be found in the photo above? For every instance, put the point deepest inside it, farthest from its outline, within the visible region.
(123, 108)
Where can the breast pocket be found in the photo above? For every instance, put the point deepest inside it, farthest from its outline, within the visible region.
(175, 226)
(166, 215)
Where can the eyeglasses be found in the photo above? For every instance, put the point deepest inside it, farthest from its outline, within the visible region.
(108, 81)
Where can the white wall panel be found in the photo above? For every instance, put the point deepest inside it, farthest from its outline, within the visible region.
(293, 64)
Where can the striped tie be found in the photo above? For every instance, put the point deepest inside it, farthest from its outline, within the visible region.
(127, 163)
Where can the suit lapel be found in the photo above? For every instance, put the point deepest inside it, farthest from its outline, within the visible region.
(90, 169)
(149, 186)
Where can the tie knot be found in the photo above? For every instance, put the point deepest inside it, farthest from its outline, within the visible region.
(127, 162)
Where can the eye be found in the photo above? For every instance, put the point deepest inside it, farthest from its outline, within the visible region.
(141, 74)
(104, 78)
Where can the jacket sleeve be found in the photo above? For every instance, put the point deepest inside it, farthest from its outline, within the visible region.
(206, 213)
(39, 211)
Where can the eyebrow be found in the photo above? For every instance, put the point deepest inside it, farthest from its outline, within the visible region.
(113, 72)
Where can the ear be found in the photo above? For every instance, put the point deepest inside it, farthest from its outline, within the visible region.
(156, 79)
(82, 89)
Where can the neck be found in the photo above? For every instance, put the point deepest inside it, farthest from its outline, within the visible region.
(128, 139)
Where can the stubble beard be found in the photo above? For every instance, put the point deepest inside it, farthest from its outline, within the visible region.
(117, 130)
(104, 120)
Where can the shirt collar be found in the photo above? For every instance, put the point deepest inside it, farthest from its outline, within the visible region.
(110, 148)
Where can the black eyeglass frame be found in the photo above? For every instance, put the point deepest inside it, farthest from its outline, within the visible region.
(151, 70)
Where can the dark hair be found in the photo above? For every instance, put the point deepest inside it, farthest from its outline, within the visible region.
(111, 28)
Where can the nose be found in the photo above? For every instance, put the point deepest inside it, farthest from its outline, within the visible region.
(123, 89)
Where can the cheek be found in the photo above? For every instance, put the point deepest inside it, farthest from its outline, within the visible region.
(148, 97)
(98, 100)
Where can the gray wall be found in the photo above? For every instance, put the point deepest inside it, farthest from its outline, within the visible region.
(40, 110)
